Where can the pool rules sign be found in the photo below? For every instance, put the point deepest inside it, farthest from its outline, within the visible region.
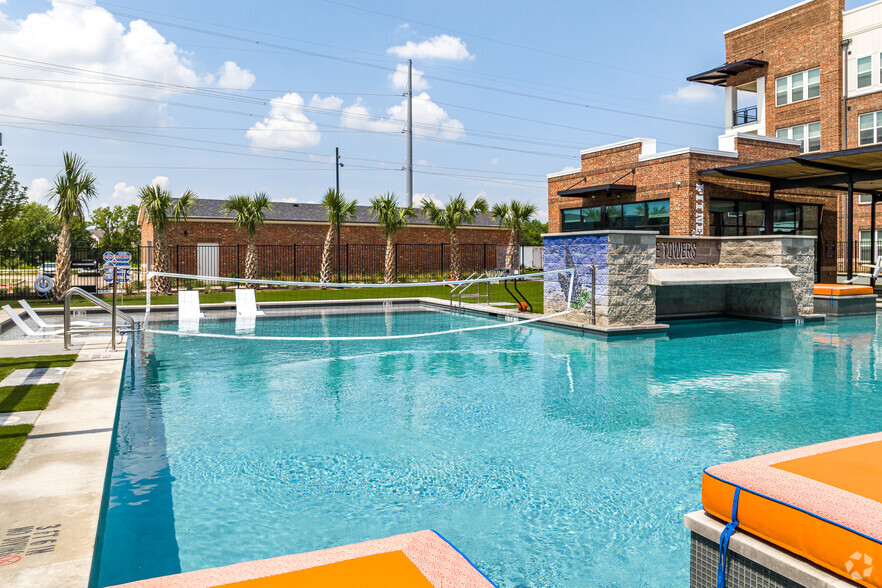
(119, 265)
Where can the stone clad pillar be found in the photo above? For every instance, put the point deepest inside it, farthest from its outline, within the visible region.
(622, 260)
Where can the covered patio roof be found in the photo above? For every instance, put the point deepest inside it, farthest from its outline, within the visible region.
(848, 171)
(719, 75)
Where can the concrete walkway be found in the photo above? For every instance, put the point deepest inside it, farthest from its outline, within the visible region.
(50, 497)
(29, 348)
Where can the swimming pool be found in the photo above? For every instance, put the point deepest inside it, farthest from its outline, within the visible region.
(547, 457)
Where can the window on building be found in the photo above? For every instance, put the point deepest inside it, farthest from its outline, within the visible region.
(864, 199)
(809, 135)
(638, 216)
(864, 252)
(870, 128)
(865, 72)
(798, 87)
(730, 218)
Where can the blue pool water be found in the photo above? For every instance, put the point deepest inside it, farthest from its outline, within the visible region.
(548, 458)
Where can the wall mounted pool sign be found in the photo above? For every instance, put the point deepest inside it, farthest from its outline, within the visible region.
(118, 264)
(699, 210)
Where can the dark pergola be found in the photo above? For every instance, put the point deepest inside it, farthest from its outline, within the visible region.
(847, 171)
(718, 76)
(589, 191)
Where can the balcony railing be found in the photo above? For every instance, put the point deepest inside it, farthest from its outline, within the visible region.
(744, 116)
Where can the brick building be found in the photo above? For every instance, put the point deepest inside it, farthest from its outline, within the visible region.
(798, 74)
(291, 240)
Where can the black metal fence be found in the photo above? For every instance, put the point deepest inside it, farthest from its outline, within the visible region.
(863, 257)
(352, 263)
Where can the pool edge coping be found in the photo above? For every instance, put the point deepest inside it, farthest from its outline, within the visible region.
(52, 493)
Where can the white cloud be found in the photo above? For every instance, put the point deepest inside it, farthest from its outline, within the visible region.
(93, 39)
(494, 161)
(329, 103)
(481, 194)
(161, 181)
(124, 194)
(542, 215)
(399, 78)
(233, 77)
(567, 169)
(693, 94)
(428, 118)
(288, 200)
(39, 189)
(438, 47)
(286, 126)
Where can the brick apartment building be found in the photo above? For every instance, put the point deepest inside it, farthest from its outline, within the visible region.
(798, 74)
(784, 89)
(208, 243)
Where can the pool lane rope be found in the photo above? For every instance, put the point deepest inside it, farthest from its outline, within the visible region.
(727, 533)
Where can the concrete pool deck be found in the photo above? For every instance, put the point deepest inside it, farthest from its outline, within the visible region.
(50, 496)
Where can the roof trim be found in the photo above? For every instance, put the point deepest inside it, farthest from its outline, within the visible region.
(687, 150)
(648, 146)
(590, 190)
(762, 18)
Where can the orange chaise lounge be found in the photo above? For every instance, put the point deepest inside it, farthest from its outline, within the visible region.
(411, 560)
(821, 502)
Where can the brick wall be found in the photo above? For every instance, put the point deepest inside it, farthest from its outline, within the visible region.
(796, 40)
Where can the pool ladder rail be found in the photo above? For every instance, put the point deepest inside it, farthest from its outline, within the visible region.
(115, 313)
(459, 290)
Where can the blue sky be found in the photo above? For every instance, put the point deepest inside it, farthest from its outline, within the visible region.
(236, 97)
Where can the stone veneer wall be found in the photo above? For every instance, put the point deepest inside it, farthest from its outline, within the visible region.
(622, 260)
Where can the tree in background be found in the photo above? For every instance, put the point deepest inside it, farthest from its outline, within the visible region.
(533, 231)
(392, 219)
(12, 196)
(339, 211)
(514, 216)
(450, 218)
(249, 216)
(74, 186)
(163, 211)
(36, 229)
(119, 228)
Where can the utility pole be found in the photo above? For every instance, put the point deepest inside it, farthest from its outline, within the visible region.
(408, 199)
(337, 166)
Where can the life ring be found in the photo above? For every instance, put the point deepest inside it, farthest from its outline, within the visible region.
(43, 284)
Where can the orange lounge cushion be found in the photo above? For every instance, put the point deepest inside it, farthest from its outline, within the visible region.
(391, 569)
(841, 290)
(820, 502)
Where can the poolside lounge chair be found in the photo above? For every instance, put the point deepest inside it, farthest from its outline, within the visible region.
(188, 311)
(44, 325)
(245, 324)
(246, 304)
(24, 327)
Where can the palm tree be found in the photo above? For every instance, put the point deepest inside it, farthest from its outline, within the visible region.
(162, 212)
(513, 216)
(393, 219)
(339, 211)
(250, 212)
(450, 218)
(74, 185)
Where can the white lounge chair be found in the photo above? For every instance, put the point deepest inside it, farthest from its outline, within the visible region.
(246, 304)
(44, 325)
(245, 324)
(24, 326)
(188, 311)
(877, 268)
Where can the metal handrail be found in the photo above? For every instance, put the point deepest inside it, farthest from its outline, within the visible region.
(469, 285)
(464, 286)
(114, 313)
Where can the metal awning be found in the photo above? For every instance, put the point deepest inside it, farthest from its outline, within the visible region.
(592, 190)
(719, 75)
(860, 169)
(848, 171)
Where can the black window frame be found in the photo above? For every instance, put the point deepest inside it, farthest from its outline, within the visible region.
(606, 218)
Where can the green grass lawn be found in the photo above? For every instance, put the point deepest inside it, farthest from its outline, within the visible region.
(21, 398)
(11, 440)
(532, 291)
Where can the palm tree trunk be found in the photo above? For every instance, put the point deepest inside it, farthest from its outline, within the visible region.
(455, 272)
(327, 271)
(511, 251)
(62, 264)
(161, 284)
(389, 274)
(251, 260)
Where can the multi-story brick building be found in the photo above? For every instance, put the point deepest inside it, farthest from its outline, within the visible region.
(786, 96)
(798, 74)
(208, 243)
